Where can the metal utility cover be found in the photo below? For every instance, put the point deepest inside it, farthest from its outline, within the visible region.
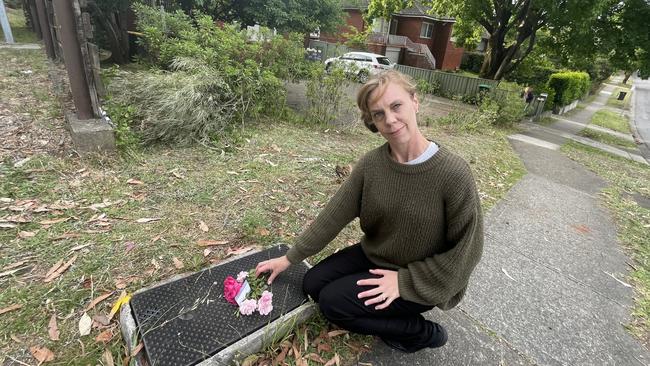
(188, 320)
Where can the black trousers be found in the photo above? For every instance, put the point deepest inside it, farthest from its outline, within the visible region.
(333, 284)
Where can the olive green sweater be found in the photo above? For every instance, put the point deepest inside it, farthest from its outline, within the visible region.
(423, 220)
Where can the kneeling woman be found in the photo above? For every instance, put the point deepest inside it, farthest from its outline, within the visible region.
(423, 231)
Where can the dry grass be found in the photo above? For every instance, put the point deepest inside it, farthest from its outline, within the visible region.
(265, 189)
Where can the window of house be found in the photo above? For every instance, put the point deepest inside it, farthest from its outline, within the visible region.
(393, 27)
(427, 30)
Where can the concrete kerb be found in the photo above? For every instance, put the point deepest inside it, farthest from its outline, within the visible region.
(239, 350)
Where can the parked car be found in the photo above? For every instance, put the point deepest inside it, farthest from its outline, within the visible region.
(360, 64)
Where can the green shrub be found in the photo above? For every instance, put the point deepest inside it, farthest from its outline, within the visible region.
(327, 98)
(425, 87)
(472, 62)
(506, 109)
(124, 116)
(197, 102)
(169, 36)
(569, 86)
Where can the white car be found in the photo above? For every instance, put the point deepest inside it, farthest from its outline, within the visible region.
(360, 64)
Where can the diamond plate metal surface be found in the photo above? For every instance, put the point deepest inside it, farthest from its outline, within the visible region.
(186, 321)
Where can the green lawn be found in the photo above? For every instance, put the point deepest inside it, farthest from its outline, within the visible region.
(19, 30)
(623, 104)
(626, 179)
(264, 189)
(607, 138)
(612, 120)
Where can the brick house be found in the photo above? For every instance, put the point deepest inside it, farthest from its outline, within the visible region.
(411, 37)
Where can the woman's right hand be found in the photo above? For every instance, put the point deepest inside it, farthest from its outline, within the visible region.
(275, 266)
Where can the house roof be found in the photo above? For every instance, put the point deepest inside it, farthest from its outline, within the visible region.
(417, 10)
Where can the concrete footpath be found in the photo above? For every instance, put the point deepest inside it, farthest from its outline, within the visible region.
(551, 286)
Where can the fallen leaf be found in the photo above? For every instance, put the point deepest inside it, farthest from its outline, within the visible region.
(177, 263)
(145, 220)
(60, 270)
(105, 336)
(280, 358)
(263, 231)
(41, 354)
(26, 234)
(15, 265)
(79, 247)
(338, 332)
(67, 235)
(206, 252)
(53, 269)
(54, 221)
(203, 227)
(178, 175)
(16, 339)
(6, 225)
(107, 358)
(123, 299)
(315, 357)
(282, 209)
(137, 349)
(53, 329)
(101, 319)
(97, 300)
(85, 324)
(134, 182)
(240, 250)
(155, 264)
(324, 347)
(334, 361)
(211, 243)
(10, 308)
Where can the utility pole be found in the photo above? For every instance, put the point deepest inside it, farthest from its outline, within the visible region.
(6, 28)
(73, 59)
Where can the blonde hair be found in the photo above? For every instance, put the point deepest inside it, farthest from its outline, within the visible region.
(379, 83)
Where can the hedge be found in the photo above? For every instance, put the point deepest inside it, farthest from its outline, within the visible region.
(569, 86)
(472, 62)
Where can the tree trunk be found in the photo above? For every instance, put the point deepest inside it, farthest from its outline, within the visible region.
(627, 76)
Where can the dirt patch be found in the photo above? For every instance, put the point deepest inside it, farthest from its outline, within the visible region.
(31, 121)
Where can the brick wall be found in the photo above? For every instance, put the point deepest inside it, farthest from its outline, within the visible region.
(453, 57)
(354, 19)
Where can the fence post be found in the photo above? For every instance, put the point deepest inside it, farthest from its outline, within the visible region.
(45, 29)
(73, 59)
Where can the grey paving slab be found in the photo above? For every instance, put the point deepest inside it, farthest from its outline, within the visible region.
(469, 343)
(543, 289)
(554, 166)
(581, 126)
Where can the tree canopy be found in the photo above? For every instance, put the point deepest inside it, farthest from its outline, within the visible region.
(284, 15)
(511, 24)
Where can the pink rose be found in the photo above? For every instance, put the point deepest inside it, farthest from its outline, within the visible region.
(231, 289)
(247, 307)
(242, 276)
(265, 303)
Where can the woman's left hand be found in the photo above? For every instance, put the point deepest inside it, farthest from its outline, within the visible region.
(386, 290)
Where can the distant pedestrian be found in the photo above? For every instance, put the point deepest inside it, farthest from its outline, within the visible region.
(527, 95)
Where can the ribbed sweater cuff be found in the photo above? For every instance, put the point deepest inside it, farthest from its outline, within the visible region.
(294, 256)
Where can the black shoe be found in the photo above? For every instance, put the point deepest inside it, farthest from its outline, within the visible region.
(438, 339)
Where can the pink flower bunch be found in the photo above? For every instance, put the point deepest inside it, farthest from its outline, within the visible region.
(231, 289)
(265, 303)
(258, 299)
